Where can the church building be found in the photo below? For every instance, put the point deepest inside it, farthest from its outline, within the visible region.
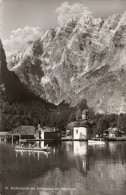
(84, 128)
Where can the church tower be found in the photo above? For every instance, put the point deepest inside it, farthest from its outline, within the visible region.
(85, 115)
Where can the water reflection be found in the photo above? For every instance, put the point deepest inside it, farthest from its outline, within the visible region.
(80, 148)
(70, 168)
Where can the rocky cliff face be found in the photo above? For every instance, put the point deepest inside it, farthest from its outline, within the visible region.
(10, 82)
(84, 59)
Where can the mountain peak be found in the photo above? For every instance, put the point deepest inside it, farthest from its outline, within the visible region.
(84, 59)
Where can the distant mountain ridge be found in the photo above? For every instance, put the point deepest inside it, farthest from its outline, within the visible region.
(84, 59)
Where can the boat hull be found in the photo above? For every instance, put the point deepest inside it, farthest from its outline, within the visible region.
(32, 149)
(96, 142)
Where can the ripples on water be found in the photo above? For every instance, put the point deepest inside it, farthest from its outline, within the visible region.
(71, 168)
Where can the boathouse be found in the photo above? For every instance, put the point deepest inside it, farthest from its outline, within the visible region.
(46, 133)
(20, 132)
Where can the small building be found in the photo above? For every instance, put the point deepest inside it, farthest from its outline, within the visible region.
(47, 133)
(112, 132)
(123, 134)
(83, 129)
(21, 132)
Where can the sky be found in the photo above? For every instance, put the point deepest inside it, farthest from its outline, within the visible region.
(23, 20)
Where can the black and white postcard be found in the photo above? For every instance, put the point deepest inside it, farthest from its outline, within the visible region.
(62, 97)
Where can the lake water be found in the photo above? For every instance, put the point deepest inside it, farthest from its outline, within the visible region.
(71, 168)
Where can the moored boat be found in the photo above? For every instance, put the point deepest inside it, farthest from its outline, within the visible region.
(96, 142)
(19, 148)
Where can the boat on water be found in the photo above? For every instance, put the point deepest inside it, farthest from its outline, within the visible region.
(96, 142)
(34, 149)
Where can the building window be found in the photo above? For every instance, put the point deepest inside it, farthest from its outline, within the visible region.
(76, 131)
